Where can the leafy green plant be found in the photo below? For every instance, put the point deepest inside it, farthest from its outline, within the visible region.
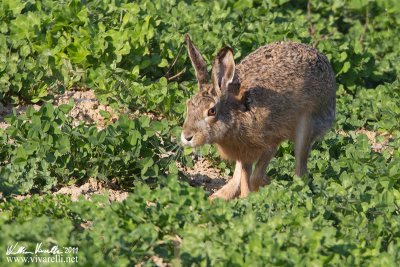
(327, 222)
(41, 149)
(346, 211)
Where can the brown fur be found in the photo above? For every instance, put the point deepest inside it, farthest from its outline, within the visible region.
(281, 91)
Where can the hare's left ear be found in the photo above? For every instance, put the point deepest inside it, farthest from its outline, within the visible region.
(198, 63)
(223, 70)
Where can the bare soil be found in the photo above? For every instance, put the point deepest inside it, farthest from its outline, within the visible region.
(372, 138)
(86, 109)
(93, 187)
(203, 174)
(87, 190)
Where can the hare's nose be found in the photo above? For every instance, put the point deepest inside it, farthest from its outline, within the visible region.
(188, 137)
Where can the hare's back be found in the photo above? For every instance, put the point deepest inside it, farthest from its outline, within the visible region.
(286, 67)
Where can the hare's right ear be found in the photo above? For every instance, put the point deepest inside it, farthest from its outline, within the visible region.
(198, 62)
(223, 70)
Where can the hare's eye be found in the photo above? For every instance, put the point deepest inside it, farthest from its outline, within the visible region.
(211, 112)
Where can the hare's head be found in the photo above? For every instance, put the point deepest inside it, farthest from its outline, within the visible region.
(209, 113)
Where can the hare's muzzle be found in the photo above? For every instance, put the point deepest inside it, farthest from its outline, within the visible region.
(187, 138)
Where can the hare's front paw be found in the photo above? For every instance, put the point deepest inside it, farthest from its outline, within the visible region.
(218, 195)
(224, 194)
(214, 196)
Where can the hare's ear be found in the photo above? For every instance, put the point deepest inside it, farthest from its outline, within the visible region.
(223, 70)
(198, 62)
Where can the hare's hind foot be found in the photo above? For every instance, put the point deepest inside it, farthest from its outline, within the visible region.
(311, 127)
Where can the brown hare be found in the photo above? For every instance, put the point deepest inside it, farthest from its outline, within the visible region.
(284, 90)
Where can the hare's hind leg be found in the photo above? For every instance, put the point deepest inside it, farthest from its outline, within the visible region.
(258, 178)
(232, 188)
(303, 142)
(310, 128)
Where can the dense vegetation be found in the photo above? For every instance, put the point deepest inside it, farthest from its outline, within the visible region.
(345, 212)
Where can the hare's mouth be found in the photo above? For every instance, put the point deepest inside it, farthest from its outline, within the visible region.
(188, 141)
(192, 141)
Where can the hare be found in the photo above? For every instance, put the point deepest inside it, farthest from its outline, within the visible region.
(284, 90)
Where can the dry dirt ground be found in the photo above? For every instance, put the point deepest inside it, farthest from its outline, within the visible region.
(203, 174)
(88, 189)
(87, 109)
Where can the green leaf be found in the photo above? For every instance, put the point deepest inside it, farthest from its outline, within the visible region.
(346, 67)
(105, 114)
(65, 108)
(163, 63)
